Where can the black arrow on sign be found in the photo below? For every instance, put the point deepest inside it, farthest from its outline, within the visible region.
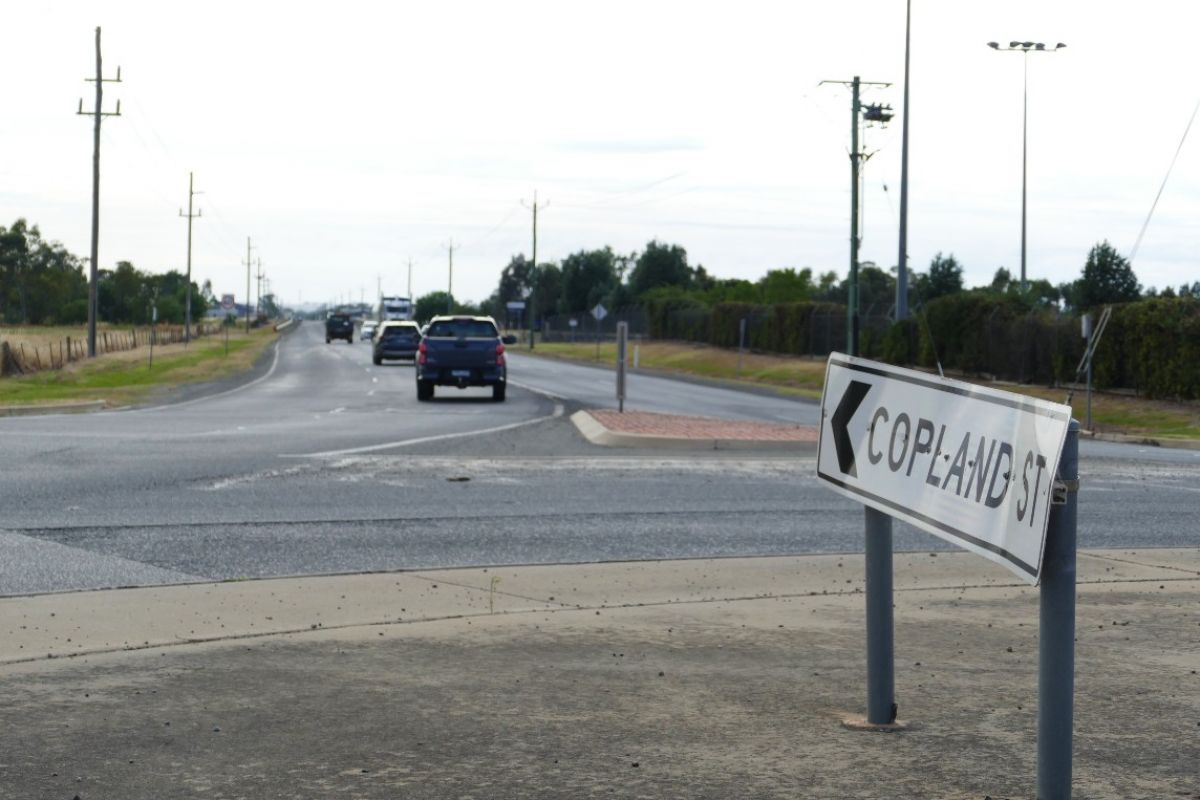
(849, 403)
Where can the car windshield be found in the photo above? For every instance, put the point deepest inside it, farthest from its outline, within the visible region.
(466, 328)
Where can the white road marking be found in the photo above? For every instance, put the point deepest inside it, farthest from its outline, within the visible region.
(338, 410)
(558, 412)
(374, 380)
(371, 393)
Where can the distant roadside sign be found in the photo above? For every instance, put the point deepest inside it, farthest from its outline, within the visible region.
(599, 312)
(227, 302)
(515, 305)
(972, 465)
(574, 322)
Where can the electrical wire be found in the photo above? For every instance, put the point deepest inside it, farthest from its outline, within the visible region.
(1137, 244)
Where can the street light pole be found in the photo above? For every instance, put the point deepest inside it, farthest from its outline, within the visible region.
(1024, 48)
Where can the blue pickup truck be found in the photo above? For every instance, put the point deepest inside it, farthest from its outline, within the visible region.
(462, 352)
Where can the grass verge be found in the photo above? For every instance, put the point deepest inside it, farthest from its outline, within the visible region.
(805, 377)
(126, 378)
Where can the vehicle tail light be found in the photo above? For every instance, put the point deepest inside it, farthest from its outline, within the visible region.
(422, 353)
(500, 355)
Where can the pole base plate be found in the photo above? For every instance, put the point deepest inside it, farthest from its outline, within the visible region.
(858, 722)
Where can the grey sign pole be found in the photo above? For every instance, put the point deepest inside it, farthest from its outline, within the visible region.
(881, 686)
(622, 348)
(741, 342)
(1056, 643)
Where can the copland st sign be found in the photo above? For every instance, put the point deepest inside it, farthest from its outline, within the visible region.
(973, 465)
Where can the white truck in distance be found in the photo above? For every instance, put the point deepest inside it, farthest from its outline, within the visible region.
(395, 308)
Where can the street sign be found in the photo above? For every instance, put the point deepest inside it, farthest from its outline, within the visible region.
(972, 465)
(227, 302)
(574, 322)
(599, 312)
(515, 305)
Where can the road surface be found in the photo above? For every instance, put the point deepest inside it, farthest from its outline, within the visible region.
(327, 463)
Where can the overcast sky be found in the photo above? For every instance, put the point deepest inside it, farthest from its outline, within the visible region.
(345, 138)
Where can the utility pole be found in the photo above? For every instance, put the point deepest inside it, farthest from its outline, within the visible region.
(187, 313)
(258, 285)
(450, 291)
(873, 113)
(98, 114)
(410, 297)
(249, 263)
(533, 265)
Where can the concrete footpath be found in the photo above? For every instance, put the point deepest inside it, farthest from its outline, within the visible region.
(685, 679)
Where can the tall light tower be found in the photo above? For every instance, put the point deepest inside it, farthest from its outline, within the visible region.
(1025, 48)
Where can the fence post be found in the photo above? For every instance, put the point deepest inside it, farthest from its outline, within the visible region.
(1056, 634)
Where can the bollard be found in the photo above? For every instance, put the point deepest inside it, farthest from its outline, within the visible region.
(1056, 635)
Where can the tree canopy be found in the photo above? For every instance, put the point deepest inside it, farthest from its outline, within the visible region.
(1107, 278)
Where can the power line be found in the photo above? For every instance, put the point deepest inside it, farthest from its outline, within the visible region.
(1137, 244)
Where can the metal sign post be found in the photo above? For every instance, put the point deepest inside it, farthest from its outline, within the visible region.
(741, 343)
(622, 345)
(1056, 631)
(599, 312)
(993, 472)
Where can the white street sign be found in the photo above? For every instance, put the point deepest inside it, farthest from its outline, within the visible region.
(973, 465)
(227, 301)
(599, 312)
(515, 305)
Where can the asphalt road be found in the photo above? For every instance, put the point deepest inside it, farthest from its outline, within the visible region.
(327, 463)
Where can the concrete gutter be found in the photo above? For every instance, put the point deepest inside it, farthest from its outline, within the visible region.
(1149, 441)
(76, 407)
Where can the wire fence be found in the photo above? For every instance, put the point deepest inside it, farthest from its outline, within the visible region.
(38, 354)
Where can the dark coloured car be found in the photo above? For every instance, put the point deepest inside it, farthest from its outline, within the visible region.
(339, 326)
(462, 352)
(397, 340)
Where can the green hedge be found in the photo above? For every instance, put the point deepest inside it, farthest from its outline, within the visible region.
(1151, 345)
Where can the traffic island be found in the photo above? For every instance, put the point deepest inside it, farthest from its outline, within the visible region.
(609, 428)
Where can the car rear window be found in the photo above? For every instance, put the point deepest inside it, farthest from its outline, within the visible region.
(467, 328)
(400, 330)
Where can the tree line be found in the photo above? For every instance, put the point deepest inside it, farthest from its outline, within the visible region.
(662, 274)
(42, 283)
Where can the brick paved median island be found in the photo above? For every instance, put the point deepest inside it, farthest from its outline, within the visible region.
(646, 423)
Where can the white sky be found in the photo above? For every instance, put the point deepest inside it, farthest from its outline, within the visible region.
(345, 138)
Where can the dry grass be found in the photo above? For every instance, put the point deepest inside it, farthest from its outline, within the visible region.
(124, 378)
